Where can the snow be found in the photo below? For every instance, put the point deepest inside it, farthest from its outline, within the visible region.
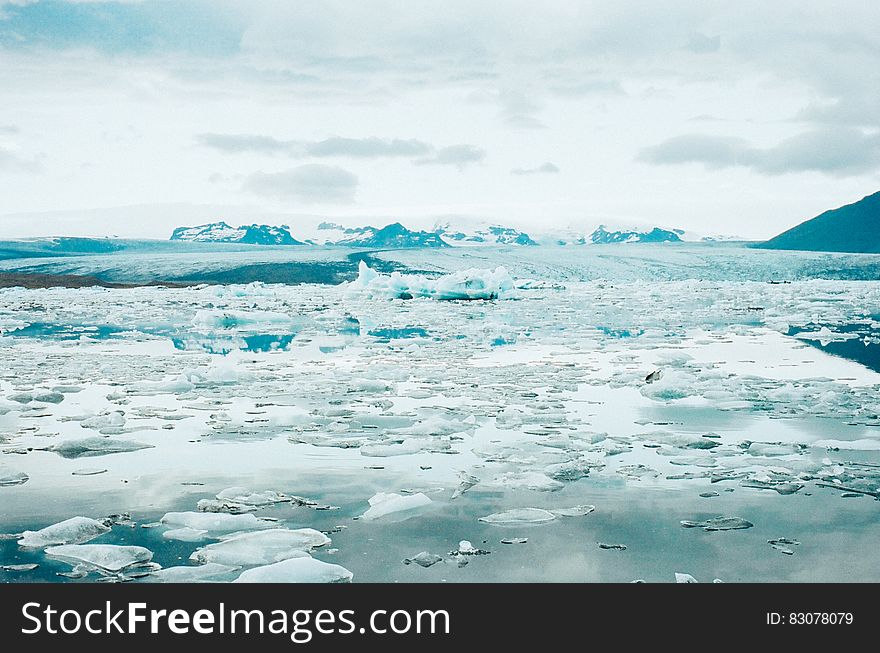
(75, 530)
(383, 504)
(469, 284)
(303, 569)
(261, 547)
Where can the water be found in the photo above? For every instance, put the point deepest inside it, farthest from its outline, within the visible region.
(535, 400)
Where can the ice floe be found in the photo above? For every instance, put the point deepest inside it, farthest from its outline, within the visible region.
(303, 569)
(75, 530)
(260, 547)
(388, 503)
(467, 284)
(102, 557)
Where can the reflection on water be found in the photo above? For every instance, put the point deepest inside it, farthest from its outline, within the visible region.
(858, 341)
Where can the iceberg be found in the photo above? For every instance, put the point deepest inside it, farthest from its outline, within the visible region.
(304, 569)
(75, 530)
(260, 547)
(468, 284)
(383, 504)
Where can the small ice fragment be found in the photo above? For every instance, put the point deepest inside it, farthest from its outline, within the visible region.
(709, 495)
(189, 574)
(719, 524)
(88, 471)
(653, 376)
(684, 578)
(296, 570)
(383, 503)
(241, 495)
(261, 547)
(75, 530)
(783, 544)
(576, 511)
(424, 559)
(25, 567)
(520, 516)
(10, 477)
(96, 446)
(466, 548)
(612, 547)
(515, 540)
(105, 557)
(466, 482)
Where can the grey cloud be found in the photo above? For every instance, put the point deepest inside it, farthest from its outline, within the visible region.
(371, 147)
(367, 147)
(312, 183)
(836, 151)
(544, 168)
(454, 155)
(12, 162)
(701, 44)
(237, 143)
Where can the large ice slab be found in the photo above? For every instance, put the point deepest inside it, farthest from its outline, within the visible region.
(467, 284)
(303, 569)
(261, 547)
(75, 530)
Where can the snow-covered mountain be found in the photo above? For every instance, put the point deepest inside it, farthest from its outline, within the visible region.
(393, 235)
(220, 232)
(489, 235)
(604, 236)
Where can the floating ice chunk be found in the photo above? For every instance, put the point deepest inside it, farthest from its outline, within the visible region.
(684, 578)
(467, 284)
(612, 547)
(296, 570)
(849, 445)
(783, 545)
(383, 503)
(49, 397)
(243, 495)
(466, 548)
(825, 336)
(719, 524)
(185, 534)
(261, 547)
(529, 480)
(407, 447)
(466, 482)
(214, 522)
(89, 471)
(106, 557)
(515, 540)
(75, 530)
(19, 568)
(519, 516)
(228, 369)
(576, 511)
(9, 476)
(190, 574)
(115, 419)
(423, 559)
(96, 446)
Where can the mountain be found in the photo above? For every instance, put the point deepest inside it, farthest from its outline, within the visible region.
(220, 232)
(394, 235)
(491, 235)
(601, 236)
(851, 228)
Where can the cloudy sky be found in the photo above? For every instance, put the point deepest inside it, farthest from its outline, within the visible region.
(133, 117)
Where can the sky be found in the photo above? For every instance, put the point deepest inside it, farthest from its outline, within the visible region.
(131, 118)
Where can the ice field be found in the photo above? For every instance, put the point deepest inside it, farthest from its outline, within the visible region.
(524, 414)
